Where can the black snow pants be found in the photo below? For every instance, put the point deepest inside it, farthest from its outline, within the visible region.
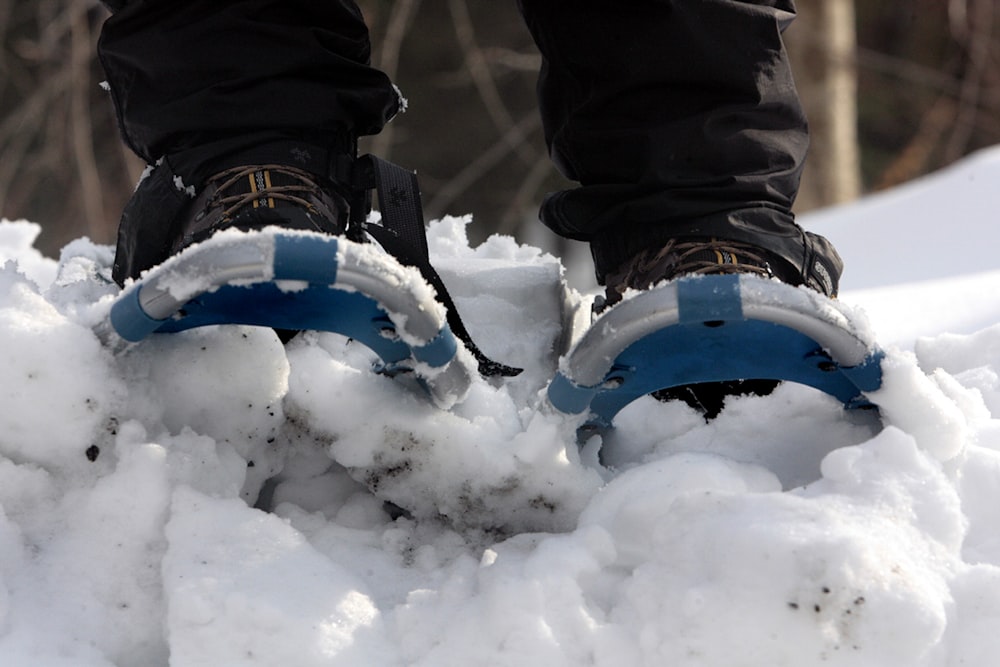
(676, 117)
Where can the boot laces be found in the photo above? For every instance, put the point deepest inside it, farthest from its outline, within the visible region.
(686, 257)
(678, 258)
(262, 191)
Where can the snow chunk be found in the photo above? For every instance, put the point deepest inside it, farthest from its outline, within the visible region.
(917, 404)
(59, 391)
(17, 240)
(202, 381)
(244, 587)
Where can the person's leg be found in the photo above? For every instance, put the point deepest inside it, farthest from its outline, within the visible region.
(186, 74)
(201, 87)
(680, 119)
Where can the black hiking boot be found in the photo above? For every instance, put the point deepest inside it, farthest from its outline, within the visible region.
(694, 256)
(253, 197)
(164, 215)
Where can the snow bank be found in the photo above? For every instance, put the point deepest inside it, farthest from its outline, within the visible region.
(930, 228)
(784, 532)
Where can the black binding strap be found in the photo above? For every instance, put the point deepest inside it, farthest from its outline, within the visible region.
(402, 234)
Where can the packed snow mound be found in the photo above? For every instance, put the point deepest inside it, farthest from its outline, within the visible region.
(215, 498)
(938, 226)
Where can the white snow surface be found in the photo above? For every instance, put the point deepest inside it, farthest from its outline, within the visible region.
(783, 533)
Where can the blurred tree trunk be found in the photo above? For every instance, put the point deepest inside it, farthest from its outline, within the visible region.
(822, 44)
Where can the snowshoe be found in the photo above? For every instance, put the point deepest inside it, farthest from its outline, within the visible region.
(715, 329)
(383, 294)
(296, 280)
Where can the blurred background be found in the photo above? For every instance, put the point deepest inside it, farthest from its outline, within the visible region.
(894, 89)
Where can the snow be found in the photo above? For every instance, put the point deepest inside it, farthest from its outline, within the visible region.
(783, 533)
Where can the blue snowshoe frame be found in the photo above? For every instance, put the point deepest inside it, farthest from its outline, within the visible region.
(714, 328)
(299, 281)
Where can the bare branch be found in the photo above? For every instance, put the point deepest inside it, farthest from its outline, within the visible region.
(979, 40)
(81, 48)
(513, 60)
(24, 124)
(525, 197)
(484, 82)
(915, 157)
(481, 165)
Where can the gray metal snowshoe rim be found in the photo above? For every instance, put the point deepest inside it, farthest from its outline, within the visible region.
(769, 301)
(252, 262)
